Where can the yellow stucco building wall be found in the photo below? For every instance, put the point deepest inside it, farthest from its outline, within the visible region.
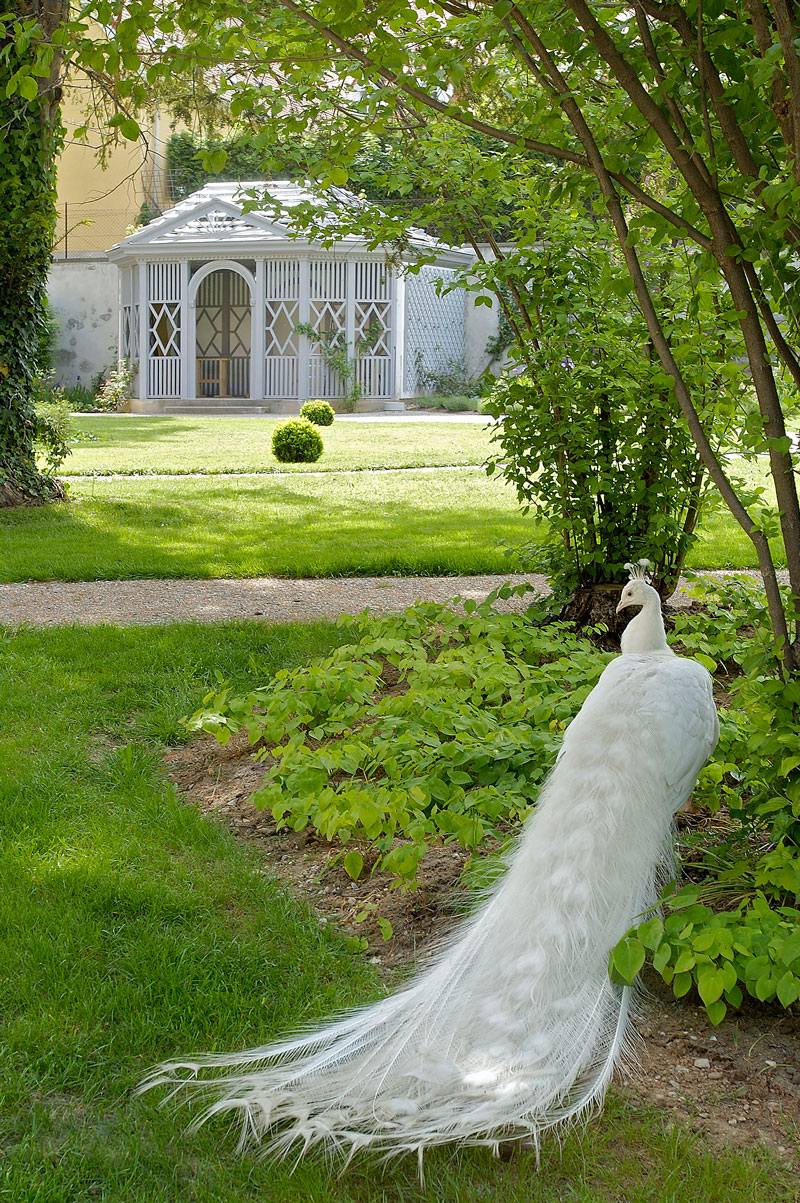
(97, 201)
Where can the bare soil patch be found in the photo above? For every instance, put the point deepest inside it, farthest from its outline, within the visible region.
(738, 1083)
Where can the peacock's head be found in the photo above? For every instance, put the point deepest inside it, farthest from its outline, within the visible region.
(638, 591)
(635, 593)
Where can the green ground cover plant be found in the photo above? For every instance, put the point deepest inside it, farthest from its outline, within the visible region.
(136, 930)
(457, 750)
(138, 444)
(438, 725)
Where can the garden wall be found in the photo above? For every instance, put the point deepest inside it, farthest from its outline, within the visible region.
(84, 294)
(480, 326)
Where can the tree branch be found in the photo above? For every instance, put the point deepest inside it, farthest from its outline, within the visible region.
(672, 107)
(787, 32)
(670, 365)
(509, 137)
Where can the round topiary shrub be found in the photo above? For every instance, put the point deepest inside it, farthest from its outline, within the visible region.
(318, 412)
(297, 442)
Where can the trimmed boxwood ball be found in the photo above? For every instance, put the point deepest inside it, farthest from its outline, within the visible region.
(318, 412)
(297, 442)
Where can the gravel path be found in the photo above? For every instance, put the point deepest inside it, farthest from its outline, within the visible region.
(274, 599)
(147, 602)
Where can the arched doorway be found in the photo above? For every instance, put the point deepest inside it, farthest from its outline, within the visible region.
(222, 332)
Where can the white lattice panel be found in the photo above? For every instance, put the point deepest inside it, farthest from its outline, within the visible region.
(328, 315)
(135, 338)
(323, 382)
(164, 329)
(373, 307)
(282, 313)
(375, 377)
(126, 297)
(435, 324)
(328, 296)
(127, 332)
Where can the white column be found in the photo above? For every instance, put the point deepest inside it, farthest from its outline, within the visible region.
(399, 336)
(187, 337)
(350, 310)
(144, 331)
(258, 318)
(305, 317)
(124, 285)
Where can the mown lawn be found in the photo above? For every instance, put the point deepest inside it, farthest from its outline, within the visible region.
(403, 523)
(141, 445)
(355, 524)
(133, 930)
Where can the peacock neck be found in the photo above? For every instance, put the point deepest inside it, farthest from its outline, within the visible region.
(645, 633)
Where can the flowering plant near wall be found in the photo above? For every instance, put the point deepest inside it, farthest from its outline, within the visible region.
(116, 390)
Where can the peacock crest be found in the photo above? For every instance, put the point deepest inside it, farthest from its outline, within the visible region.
(640, 571)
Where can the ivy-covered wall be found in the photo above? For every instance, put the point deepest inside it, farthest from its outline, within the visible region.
(29, 146)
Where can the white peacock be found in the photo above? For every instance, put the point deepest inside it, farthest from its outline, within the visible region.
(516, 1026)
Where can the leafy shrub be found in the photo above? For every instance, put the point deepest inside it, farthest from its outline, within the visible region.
(116, 389)
(80, 398)
(109, 390)
(452, 378)
(53, 433)
(318, 412)
(435, 725)
(297, 442)
(589, 431)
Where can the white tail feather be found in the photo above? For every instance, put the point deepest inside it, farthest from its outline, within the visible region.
(514, 1028)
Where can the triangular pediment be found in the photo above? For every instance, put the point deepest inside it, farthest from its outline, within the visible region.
(203, 218)
(221, 224)
(211, 219)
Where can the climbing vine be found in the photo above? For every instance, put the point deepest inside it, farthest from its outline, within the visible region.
(31, 138)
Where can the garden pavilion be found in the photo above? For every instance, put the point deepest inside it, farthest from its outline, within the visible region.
(211, 299)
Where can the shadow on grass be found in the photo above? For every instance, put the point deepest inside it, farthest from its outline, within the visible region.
(420, 525)
(131, 430)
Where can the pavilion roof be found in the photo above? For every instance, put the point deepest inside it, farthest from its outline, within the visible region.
(212, 217)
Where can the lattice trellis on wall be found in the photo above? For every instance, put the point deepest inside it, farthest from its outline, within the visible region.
(372, 334)
(164, 329)
(129, 324)
(328, 315)
(282, 313)
(435, 325)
